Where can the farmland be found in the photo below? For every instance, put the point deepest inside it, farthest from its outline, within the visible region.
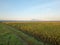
(30, 33)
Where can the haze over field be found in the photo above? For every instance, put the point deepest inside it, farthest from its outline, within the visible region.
(30, 9)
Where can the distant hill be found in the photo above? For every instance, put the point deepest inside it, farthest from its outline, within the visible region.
(21, 20)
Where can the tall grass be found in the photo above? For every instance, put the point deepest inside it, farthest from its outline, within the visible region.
(48, 32)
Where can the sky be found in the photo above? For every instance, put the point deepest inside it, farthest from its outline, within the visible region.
(30, 9)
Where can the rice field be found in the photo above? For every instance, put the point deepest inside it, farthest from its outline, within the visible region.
(30, 33)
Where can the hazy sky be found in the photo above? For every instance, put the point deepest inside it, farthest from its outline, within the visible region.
(30, 9)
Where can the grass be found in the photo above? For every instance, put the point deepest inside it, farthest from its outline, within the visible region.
(48, 32)
(13, 36)
(7, 37)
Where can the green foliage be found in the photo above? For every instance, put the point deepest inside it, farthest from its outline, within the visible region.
(13, 36)
(48, 32)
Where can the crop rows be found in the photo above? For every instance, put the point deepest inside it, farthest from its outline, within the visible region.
(48, 32)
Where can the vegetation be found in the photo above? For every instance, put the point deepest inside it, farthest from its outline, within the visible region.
(48, 32)
(12, 36)
(7, 37)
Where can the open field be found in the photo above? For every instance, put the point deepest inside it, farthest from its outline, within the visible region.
(30, 33)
